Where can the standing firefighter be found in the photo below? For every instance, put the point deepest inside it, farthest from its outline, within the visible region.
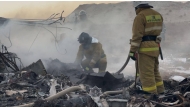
(144, 49)
(91, 48)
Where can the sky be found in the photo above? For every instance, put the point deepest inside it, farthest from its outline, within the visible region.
(40, 9)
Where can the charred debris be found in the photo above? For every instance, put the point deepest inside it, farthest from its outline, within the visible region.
(66, 85)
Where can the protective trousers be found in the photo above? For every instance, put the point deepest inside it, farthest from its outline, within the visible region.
(101, 64)
(149, 74)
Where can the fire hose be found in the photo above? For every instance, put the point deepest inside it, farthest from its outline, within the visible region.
(136, 78)
(124, 65)
(119, 71)
(128, 58)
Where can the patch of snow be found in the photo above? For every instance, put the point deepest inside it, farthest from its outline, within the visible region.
(177, 68)
(180, 59)
(182, 71)
(177, 78)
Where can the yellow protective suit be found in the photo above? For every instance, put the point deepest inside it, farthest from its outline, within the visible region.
(147, 22)
(95, 57)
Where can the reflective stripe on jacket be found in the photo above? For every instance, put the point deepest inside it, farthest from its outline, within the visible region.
(147, 22)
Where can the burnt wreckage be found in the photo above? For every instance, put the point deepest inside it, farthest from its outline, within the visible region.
(67, 85)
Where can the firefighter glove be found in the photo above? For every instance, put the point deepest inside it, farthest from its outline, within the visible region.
(158, 39)
(87, 69)
(133, 56)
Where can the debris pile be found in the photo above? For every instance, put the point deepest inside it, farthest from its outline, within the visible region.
(66, 85)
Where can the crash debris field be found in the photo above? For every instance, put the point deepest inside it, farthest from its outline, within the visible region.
(39, 59)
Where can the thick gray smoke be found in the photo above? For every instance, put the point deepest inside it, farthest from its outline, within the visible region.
(33, 42)
(112, 25)
(113, 28)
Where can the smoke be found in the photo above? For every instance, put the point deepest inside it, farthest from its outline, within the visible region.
(112, 25)
(30, 47)
(33, 42)
(111, 29)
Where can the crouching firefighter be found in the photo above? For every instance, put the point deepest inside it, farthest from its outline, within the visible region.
(91, 48)
(145, 46)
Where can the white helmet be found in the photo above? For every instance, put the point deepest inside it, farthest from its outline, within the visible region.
(82, 15)
(138, 4)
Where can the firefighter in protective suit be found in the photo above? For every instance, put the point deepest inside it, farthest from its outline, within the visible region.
(82, 15)
(91, 48)
(144, 48)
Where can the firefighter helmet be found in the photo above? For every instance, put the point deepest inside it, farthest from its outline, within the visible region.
(84, 38)
(82, 15)
(141, 4)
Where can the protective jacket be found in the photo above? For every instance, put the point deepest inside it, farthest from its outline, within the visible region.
(94, 53)
(147, 22)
